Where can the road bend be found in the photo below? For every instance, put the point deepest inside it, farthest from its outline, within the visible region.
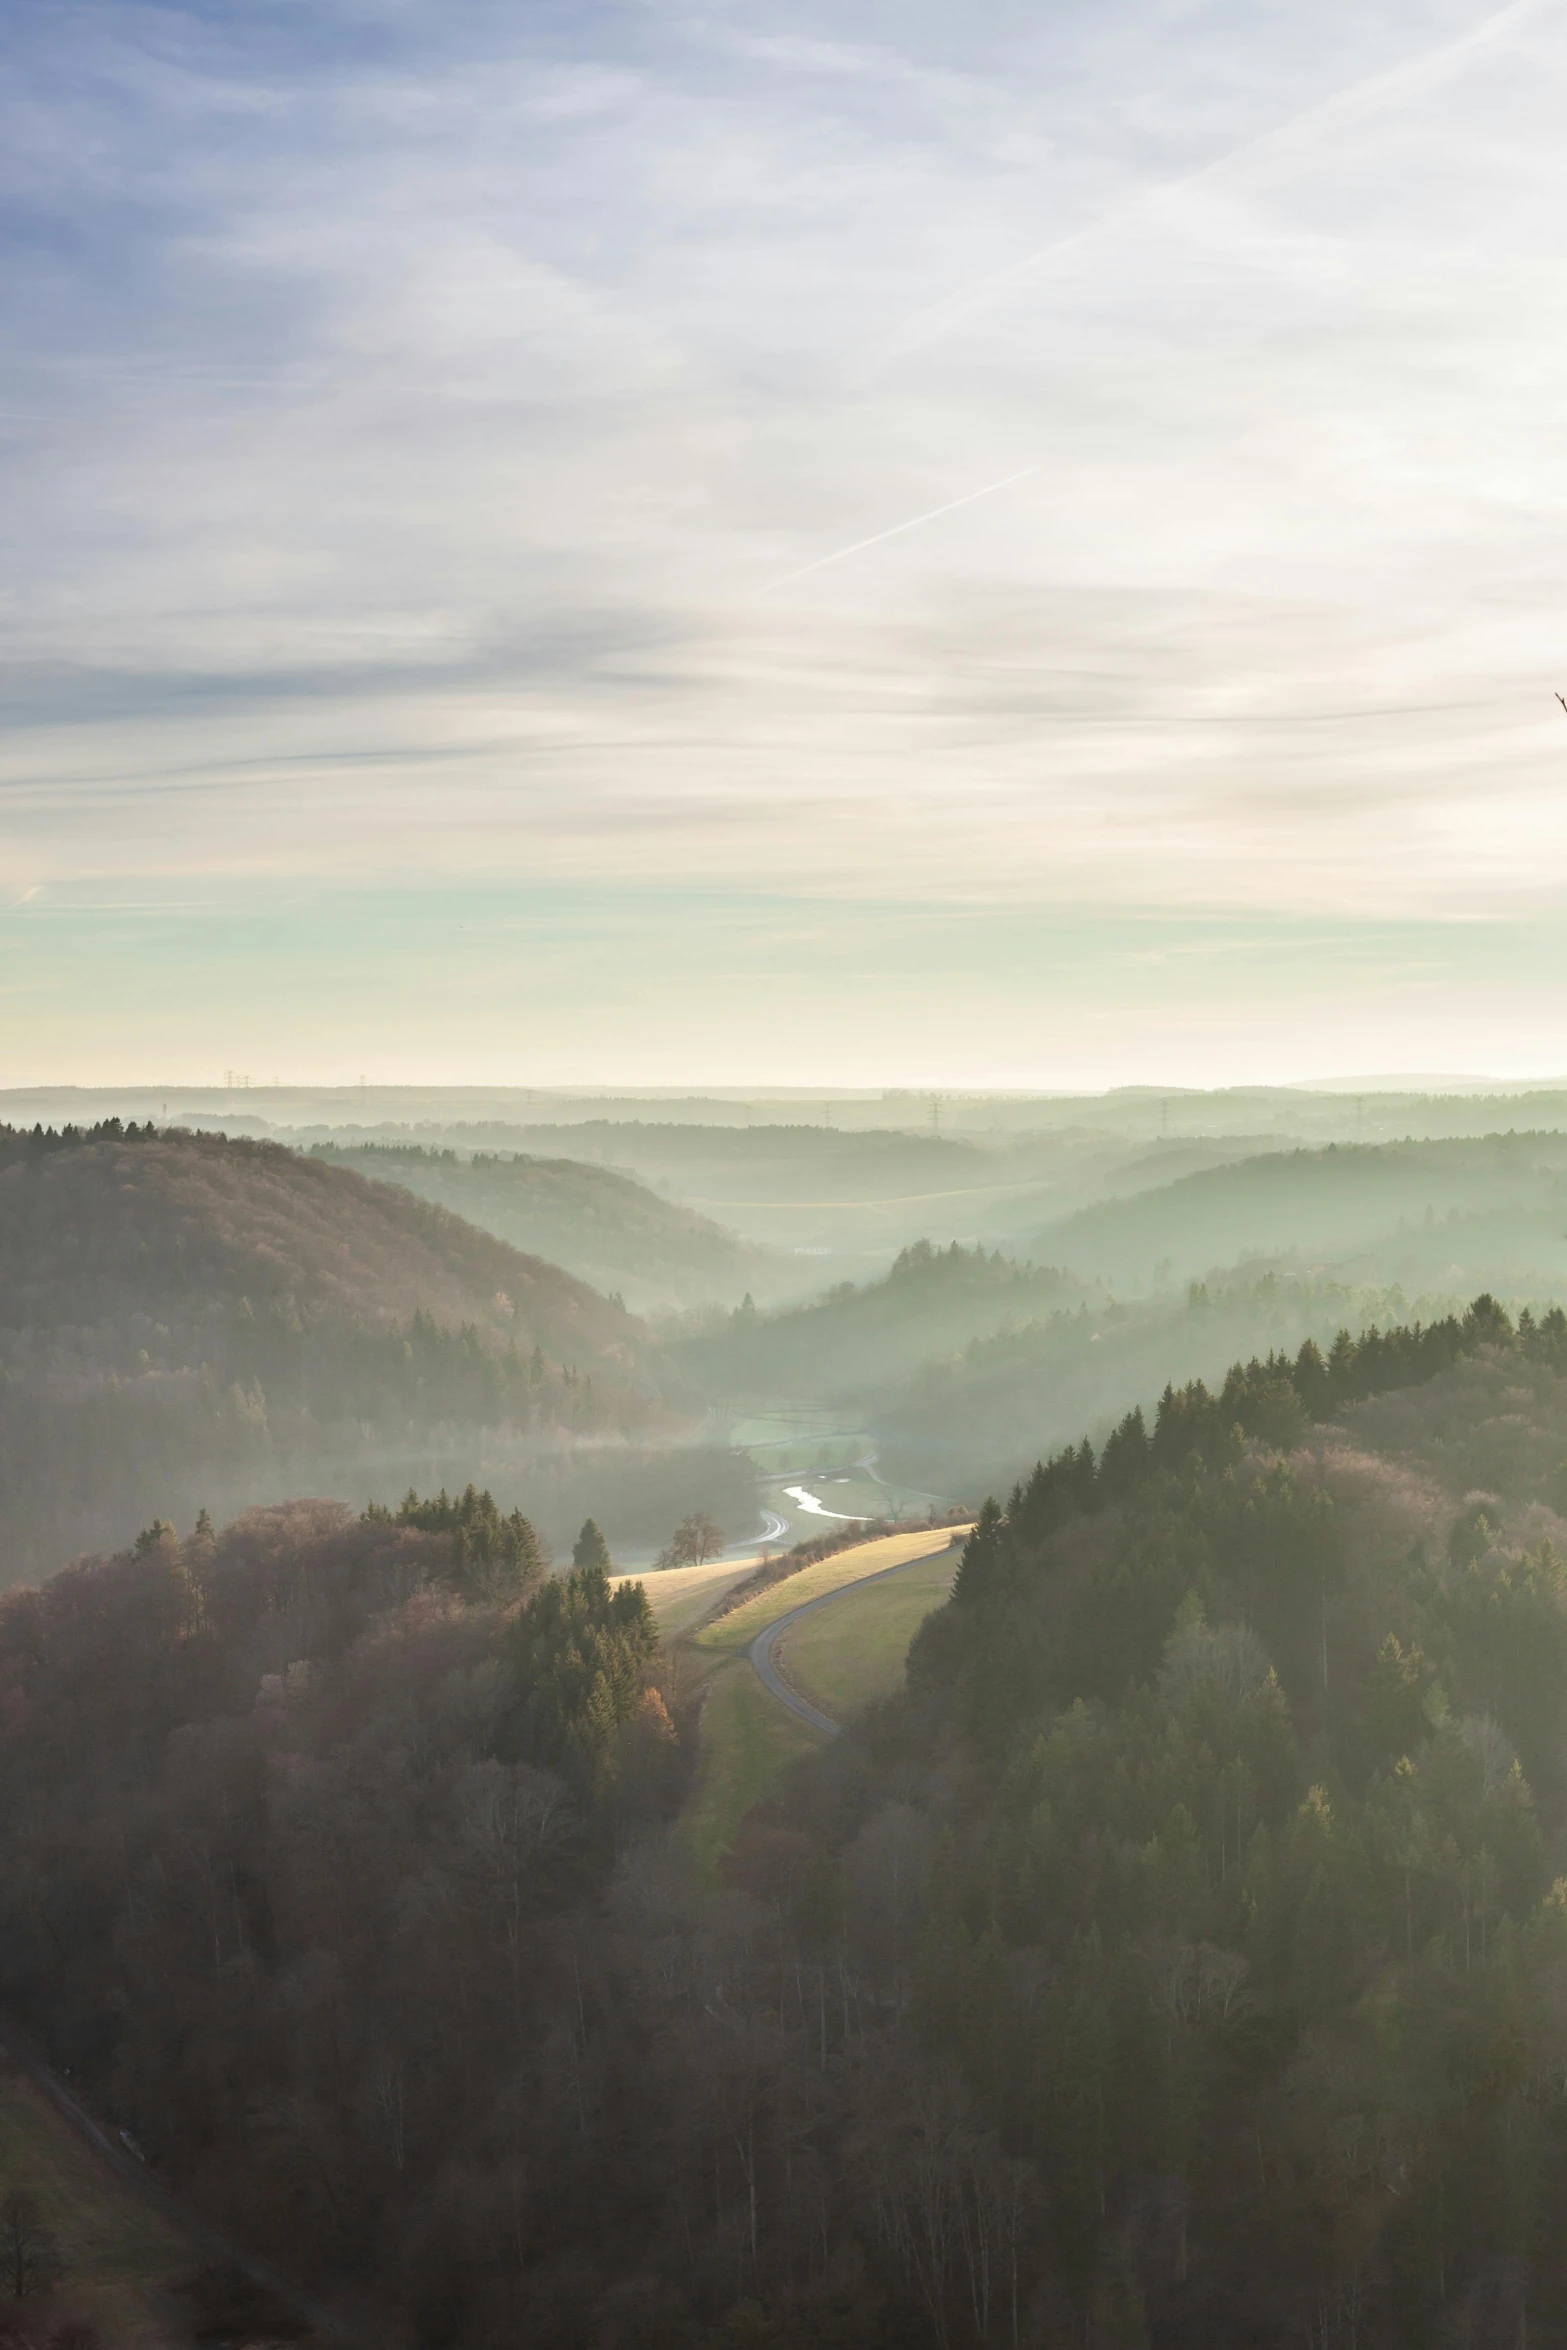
(761, 1648)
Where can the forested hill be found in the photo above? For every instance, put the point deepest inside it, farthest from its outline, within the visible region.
(602, 1225)
(1245, 1830)
(859, 1343)
(1450, 1217)
(1176, 1965)
(186, 1320)
(102, 1228)
(971, 1422)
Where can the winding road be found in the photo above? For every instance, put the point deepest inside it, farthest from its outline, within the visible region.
(761, 1648)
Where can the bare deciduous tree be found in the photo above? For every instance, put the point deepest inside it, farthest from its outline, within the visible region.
(29, 2250)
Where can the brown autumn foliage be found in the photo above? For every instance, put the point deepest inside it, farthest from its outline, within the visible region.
(188, 1321)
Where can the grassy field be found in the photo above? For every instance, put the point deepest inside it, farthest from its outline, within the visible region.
(119, 2254)
(747, 1739)
(738, 1629)
(747, 1736)
(681, 1596)
(852, 1653)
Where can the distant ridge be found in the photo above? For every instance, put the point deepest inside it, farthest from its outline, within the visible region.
(1438, 1082)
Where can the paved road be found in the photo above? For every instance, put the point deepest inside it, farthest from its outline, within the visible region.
(761, 1649)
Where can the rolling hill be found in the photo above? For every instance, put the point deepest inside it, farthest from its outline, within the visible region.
(810, 1189)
(1486, 1212)
(973, 1421)
(602, 1225)
(118, 1232)
(858, 1345)
(187, 1322)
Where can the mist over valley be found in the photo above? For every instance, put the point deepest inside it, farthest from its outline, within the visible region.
(783, 1177)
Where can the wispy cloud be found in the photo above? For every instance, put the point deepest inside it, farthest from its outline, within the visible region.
(409, 420)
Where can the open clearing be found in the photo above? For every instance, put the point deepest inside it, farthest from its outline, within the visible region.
(738, 1629)
(119, 2255)
(747, 1736)
(852, 1653)
(681, 1596)
(747, 1739)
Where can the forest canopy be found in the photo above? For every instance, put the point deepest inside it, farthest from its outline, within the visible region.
(1175, 1962)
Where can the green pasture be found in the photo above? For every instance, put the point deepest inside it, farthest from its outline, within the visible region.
(812, 1442)
(739, 1628)
(853, 1652)
(747, 1736)
(747, 1739)
(681, 1596)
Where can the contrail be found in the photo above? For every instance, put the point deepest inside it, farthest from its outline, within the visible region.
(914, 522)
(928, 325)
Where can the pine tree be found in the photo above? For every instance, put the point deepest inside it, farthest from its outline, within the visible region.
(590, 1548)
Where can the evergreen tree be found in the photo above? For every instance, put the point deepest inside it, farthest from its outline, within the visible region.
(590, 1548)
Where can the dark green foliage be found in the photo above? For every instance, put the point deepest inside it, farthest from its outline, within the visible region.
(1272, 1402)
(495, 1559)
(583, 1654)
(302, 1864)
(1249, 1890)
(590, 1548)
(1179, 1962)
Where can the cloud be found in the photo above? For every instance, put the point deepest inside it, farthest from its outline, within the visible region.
(405, 414)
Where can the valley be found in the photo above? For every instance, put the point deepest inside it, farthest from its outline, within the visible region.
(1195, 1523)
(783, 1176)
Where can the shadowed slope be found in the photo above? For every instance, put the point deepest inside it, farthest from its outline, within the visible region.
(186, 1320)
(100, 1230)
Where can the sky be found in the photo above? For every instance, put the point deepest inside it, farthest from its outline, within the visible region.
(878, 543)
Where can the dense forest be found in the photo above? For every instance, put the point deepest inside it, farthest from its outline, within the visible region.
(187, 1321)
(1176, 1962)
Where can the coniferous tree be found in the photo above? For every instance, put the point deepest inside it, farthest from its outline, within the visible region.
(590, 1548)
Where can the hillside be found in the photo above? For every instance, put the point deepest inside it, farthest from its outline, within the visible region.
(331, 1788)
(189, 1322)
(824, 1192)
(857, 1344)
(116, 1232)
(603, 1226)
(804, 1187)
(1450, 1215)
(1233, 1782)
(1176, 1961)
(971, 1421)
